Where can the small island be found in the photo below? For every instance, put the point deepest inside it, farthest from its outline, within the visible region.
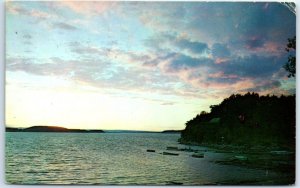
(51, 129)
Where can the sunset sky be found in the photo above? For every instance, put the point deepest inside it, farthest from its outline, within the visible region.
(139, 65)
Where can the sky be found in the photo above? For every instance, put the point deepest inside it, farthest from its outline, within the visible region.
(139, 65)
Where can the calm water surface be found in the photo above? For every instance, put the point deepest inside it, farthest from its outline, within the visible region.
(113, 158)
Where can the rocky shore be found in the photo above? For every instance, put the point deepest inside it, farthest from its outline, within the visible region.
(268, 158)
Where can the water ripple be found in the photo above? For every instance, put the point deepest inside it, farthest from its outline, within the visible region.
(109, 159)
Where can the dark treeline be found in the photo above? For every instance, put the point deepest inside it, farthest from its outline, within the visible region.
(247, 119)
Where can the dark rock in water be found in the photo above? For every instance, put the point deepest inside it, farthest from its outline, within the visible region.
(173, 148)
(198, 155)
(150, 150)
(167, 153)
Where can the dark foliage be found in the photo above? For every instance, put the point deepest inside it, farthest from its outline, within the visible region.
(247, 119)
(290, 66)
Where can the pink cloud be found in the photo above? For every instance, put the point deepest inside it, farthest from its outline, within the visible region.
(270, 47)
(40, 14)
(274, 48)
(227, 87)
(19, 10)
(257, 44)
(244, 84)
(88, 8)
(222, 75)
(221, 60)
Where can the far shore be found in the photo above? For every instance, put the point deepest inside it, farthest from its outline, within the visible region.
(51, 129)
(58, 129)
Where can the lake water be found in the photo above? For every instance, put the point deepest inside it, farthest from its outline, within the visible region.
(114, 158)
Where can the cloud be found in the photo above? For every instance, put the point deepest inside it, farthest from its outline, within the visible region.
(220, 50)
(27, 36)
(240, 74)
(41, 15)
(27, 43)
(85, 50)
(200, 45)
(130, 58)
(219, 67)
(30, 65)
(48, 19)
(17, 9)
(234, 74)
(192, 46)
(106, 75)
(158, 15)
(255, 42)
(167, 103)
(265, 85)
(64, 26)
(159, 58)
(181, 61)
(177, 43)
(87, 8)
(95, 72)
(252, 25)
(252, 66)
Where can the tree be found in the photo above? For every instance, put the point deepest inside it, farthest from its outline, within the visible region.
(290, 66)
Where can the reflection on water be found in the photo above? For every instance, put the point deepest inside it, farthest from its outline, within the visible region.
(112, 158)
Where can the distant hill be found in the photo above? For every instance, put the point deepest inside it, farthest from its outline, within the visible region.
(172, 131)
(51, 129)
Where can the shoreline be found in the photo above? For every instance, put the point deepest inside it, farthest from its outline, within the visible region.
(273, 158)
(228, 148)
